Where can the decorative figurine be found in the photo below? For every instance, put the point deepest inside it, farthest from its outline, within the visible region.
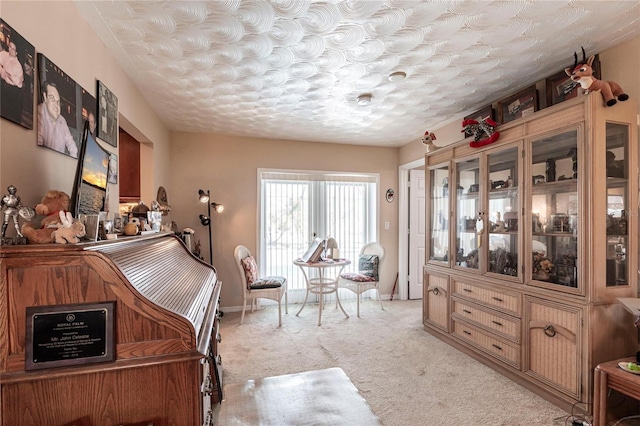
(13, 208)
(551, 170)
(427, 140)
(583, 73)
(483, 132)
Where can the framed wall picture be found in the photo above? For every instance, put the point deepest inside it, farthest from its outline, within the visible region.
(107, 115)
(112, 175)
(483, 114)
(89, 113)
(60, 123)
(559, 87)
(519, 105)
(17, 76)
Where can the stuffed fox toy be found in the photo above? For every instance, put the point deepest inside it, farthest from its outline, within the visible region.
(583, 74)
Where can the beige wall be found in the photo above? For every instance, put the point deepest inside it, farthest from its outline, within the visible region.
(227, 166)
(58, 31)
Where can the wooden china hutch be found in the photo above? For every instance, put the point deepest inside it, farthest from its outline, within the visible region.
(531, 240)
(159, 342)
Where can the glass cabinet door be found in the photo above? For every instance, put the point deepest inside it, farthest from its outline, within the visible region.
(617, 203)
(502, 214)
(439, 214)
(467, 209)
(554, 209)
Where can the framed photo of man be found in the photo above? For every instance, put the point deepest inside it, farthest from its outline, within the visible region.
(17, 76)
(60, 121)
(89, 113)
(107, 115)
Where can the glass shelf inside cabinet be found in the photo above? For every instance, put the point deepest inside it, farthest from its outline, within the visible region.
(439, 214)
(617, 199)
(503, 212)
(467, 209)
(554, 209)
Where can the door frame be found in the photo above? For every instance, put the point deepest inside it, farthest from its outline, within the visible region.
(403, 226)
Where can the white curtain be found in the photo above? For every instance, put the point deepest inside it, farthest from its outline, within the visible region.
(295, 206)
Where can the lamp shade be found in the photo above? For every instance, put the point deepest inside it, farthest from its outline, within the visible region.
(203, 197)
(205, 220)
(219, 208)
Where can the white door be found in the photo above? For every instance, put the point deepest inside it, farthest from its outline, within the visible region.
(417, 233)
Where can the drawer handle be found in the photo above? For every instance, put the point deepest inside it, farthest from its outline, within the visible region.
(549, 331)
(468, 290)
(496, 346)
(435, 290)
(497, 323)
(466, 332)
(466, 311)
(497, 299)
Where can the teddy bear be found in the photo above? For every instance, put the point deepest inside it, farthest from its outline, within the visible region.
(52, 203)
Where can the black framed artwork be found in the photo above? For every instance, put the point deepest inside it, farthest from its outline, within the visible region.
(112, 175)
(107, 129)
(60, 122)
(482, 114)
(519, 105)
(89, 113)
(17, 76)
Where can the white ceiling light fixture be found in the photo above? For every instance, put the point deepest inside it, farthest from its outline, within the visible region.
(397, 76)
(365, 99)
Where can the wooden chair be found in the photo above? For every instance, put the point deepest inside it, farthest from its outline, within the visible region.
(255, 287)
(367, 278)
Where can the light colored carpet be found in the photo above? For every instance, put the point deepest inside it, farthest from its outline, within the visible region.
(407, 376)
(315, 398)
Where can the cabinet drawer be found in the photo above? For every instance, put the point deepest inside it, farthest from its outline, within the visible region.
(502, 350)
(508, 328)
(502, 301)
(436, 301)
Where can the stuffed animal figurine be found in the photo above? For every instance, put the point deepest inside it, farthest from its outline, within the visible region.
(52, 203)
(69, 232)
(479, 130)
(427, 140)
(583, 74)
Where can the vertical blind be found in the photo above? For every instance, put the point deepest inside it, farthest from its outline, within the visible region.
(295, 206)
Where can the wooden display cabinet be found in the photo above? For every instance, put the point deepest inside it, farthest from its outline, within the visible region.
(531, 240)
(165, 368)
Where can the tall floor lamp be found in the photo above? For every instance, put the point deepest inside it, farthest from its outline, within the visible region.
(204, 198)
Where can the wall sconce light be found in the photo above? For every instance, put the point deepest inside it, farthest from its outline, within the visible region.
(204, 198)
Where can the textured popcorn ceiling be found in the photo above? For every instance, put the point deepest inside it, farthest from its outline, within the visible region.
(293, 69)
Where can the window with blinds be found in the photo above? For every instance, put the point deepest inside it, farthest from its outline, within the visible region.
(295, 206)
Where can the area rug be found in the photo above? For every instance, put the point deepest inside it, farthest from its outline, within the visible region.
(319, 397)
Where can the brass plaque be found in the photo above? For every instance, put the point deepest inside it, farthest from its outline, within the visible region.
(64, 335)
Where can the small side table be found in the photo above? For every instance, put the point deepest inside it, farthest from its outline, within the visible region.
(609, 375)
(323, 284)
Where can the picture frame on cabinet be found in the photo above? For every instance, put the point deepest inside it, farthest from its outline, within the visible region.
(482, 114)
(17, 83)
(519, 105)
(559, 87)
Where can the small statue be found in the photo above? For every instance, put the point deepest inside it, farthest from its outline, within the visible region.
(10, 204)
(13, 208)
